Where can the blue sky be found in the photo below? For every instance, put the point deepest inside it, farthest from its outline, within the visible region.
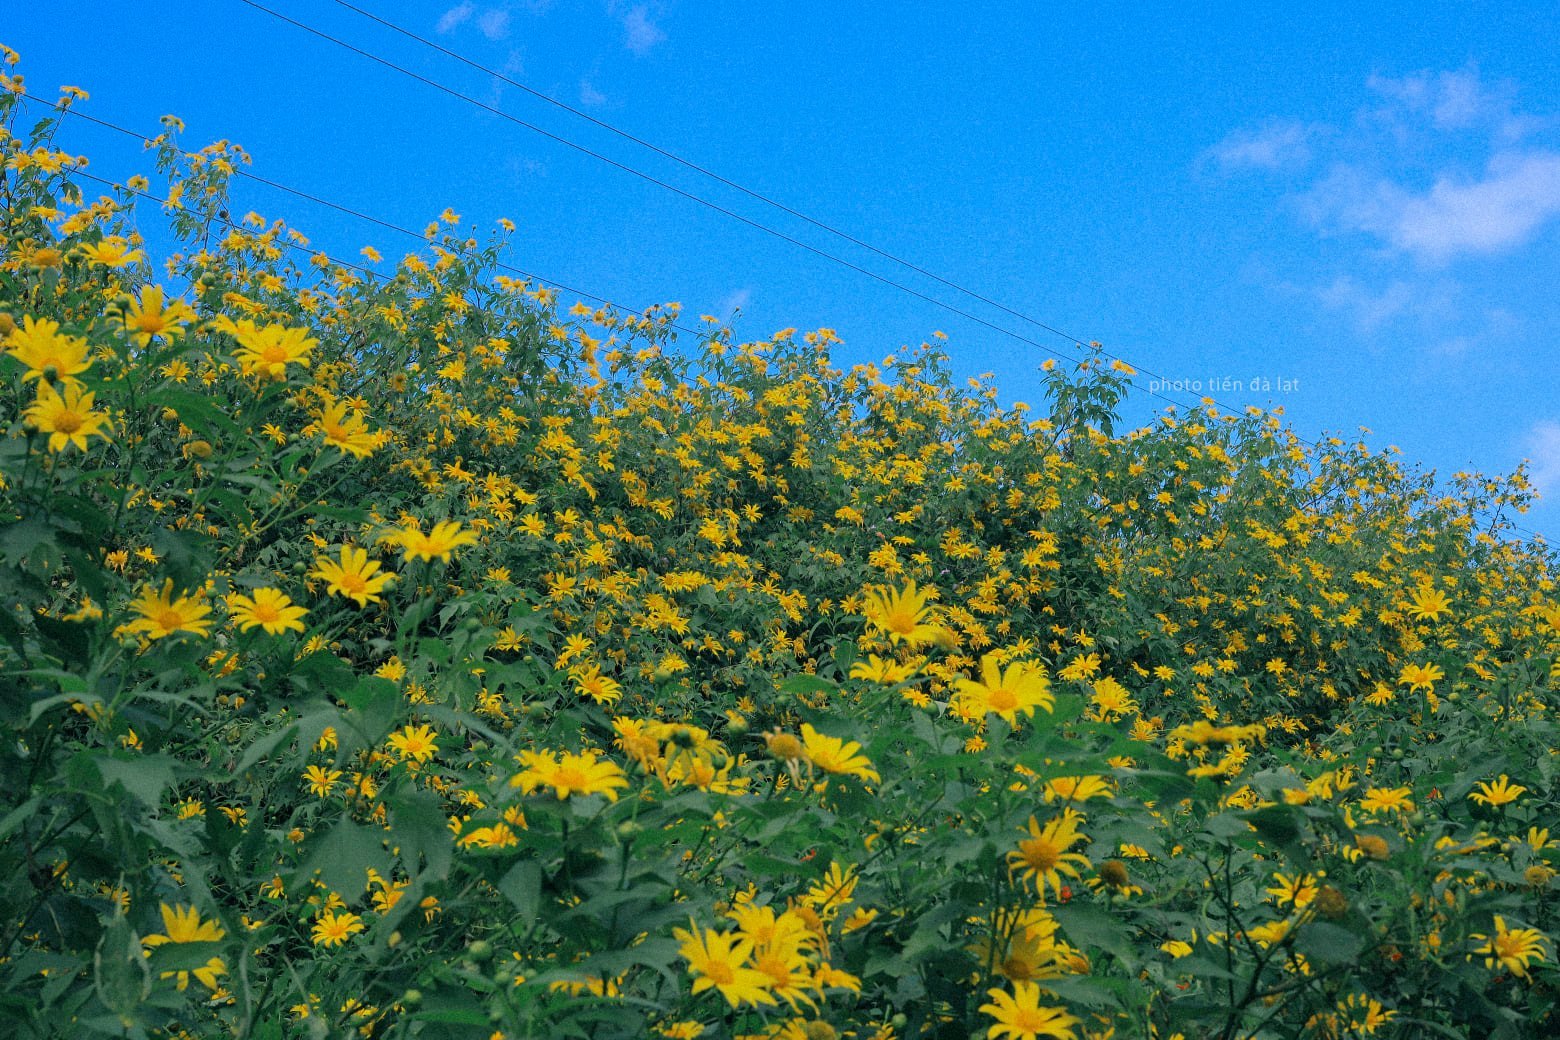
(1350, 211)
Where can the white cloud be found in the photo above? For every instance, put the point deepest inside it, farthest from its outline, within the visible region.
(590, 96)
(641, 34)
(523, 168)
(455, 17)
(494, 24)
(1517, 195)
(1272, 146)
(736, 301)
(1499, 324)
(1368, 309)
(1451, 101)
(1542, 448)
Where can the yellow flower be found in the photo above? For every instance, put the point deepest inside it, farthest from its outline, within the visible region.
(581, 773)
(1300, 890)
(333, 929)
(162, 615)
(589, 682)
(1373, 845)
(320, 781)
(1501, 792)
(183, 925)
(268, 351)
(345, 430)
(903, 616)
(414, 742)
(1084, 666)
(1429, 604)
(499, 836)
(1512, 948)
(1006, 693)
(40, 346)
(268, 609)
(1111, 700)
(67, 418)
(834, 755)
(1077, 788)
(1019, 1015)
(1025, 946)
(1380, 696)
(112, 251)
(719, 962)
(354, 576)
(829, 894)
(439, 543)
(151, 316)
(876, 669)
(1395, 799)
(1365, 1015)
(1043, 857)
(1420, 676)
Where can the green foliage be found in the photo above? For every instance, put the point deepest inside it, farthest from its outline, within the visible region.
(717, 691)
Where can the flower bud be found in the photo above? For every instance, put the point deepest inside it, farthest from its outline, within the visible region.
(1331, 903)
(1114, 873)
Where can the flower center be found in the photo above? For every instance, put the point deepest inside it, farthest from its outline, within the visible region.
(720, 973)
(1002, 699)
(1018, 969)
(169, 619)
(352, 582)
(67, 421)
(570, 779)
(775, 967)
(1040, 854)
(1030, 1020)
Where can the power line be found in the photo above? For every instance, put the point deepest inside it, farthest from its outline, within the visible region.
(389, 225)
(690, 196)
(711, 174)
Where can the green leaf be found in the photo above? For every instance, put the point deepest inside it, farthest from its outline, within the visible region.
(199, 412)
(63, 640)
(144, 776)
(18, 540)
(801, 685)
(1327, 944)
(263, 747)
(522, 886)
(183, 956)
(120, 975)
(343, 857)
(323, 672)
(1089, 926)
(367, 691)
(422, 832)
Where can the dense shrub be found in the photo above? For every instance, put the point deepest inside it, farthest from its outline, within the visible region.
(402, 655)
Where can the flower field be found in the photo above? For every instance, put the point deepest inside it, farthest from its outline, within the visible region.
(403, 651)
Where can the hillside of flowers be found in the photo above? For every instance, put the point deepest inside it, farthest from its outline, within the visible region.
(400, 650)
